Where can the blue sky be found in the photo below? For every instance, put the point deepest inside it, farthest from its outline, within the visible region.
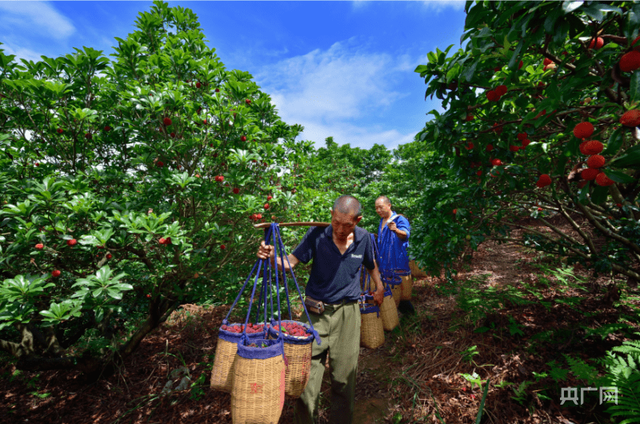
(339, 68)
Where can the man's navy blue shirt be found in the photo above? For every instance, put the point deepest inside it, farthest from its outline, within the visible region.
(334, 276)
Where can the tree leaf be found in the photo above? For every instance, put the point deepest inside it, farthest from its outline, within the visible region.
(619, 176)
(599, 194)
(615, 142)
(634, 91)
(569, 6)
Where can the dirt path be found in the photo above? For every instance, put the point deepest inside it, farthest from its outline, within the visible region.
(414, 377)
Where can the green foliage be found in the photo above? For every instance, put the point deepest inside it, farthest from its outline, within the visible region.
(623, 372)
(104, 157)
(465, 192)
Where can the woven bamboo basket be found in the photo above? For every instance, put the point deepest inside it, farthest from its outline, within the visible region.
(257, 394)
(416, 271)
(389, 312)
(297, 350)
(406, 287)
(396, 292)
(371, 330)
(222, 371)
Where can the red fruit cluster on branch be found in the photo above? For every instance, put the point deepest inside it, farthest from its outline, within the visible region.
(219, 178)
(595, 161)
(603, 180)
(493, 96)
(631, 118)
(591, 147)
(630, 61)
(589, 174)
(167, 121)
(293, 329)
(525, 143)
(583, 130)
(501, 90)
(523, 136)
(543, 181)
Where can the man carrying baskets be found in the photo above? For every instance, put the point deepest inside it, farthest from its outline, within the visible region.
(338, 251)
(393, 239)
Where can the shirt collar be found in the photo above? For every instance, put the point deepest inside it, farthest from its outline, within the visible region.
(357, 236)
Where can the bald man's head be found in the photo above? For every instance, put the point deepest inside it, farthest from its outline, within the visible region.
(347, 204)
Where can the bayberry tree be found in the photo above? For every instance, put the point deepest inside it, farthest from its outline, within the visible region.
(155, 162)
(541, 116)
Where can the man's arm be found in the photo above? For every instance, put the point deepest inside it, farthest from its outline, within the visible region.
(402, 235)
(378, 296)
(267, 251)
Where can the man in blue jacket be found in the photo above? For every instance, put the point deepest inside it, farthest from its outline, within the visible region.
(338, 251)
(393, 240)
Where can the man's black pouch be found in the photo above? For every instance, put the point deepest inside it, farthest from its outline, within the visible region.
(315, 306)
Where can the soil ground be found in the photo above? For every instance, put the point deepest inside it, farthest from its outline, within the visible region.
(416, 376)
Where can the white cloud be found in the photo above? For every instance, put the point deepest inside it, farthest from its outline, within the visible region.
(439, 5)
(338, 92)
(21, 53)
(37, 16)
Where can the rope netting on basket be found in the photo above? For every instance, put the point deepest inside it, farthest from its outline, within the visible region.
(261, 361)
(388, 308)
(389, 277)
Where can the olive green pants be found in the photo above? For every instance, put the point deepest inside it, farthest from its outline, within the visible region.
(339, 330)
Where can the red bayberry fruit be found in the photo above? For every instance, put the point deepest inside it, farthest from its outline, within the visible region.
(39, 246)
(597, 43)
(547, 61)
(592, 147)
(630, 61)
(269, 197)
(501, 90)
(88, 136)
(243, 138)
(60, 131)
(222, 247)
(522, 136)
(631, 118)
(603, 180)
(489, 147)
(236, 190)
(167, 241)
(492, 96)
(469, 118)
(148, 296)
(539, 209)
(497, 130)
(266, 206)
(72, 242)
(107, 128)
(455, 211)
(172, 135)
(160, 163)
(479, 173)
(520, 65)
(247, 101)
(162, 240)
(595, 161)
(589, 174)
(496, 162)
(198, 85)
(583, 130)
(109, 256)
(514, 148)
(470, 146)
(55, 273)
(217, 90)
(525, 142)
(167, 121)
(543, 181)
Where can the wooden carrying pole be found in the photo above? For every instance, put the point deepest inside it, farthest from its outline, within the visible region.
(294, 224)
